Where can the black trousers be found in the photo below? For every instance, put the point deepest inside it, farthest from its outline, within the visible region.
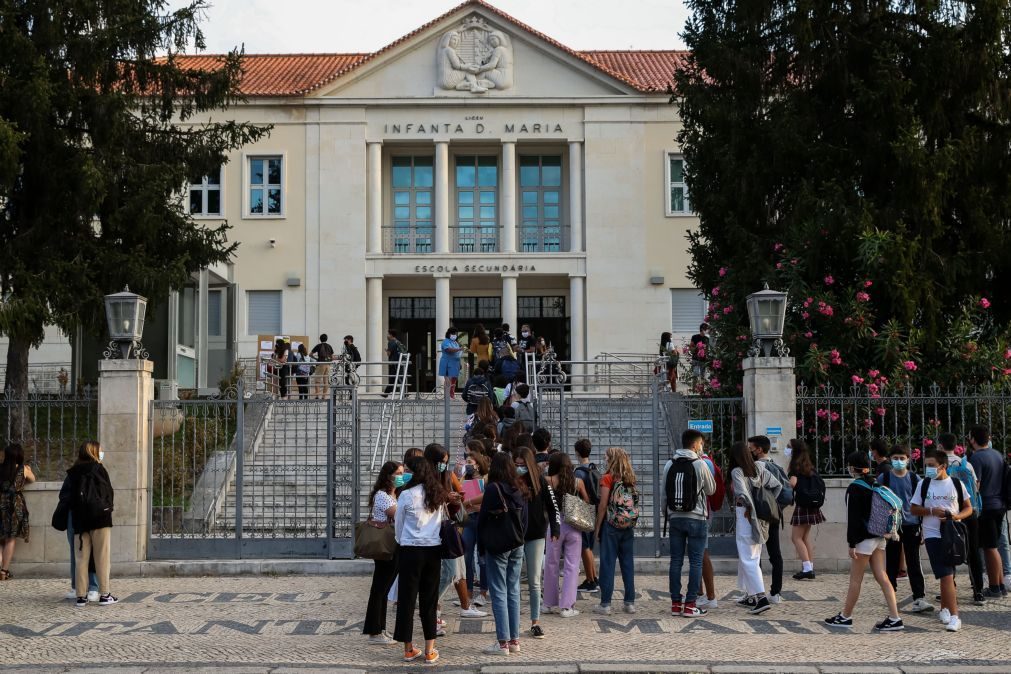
(975, 559)
(775, 559)
(391, 371)
(382, 579)
(303, 387)
(419, 583)
(909, 540)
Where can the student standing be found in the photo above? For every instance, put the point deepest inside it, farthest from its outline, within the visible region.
(476, 468)
(903, 482)
(587, 473)
(420, 512)
(747, 475)
(542, 516)
(14, 475)
(760, 446)
(941, 496)
(617, 514)
(808, 489)
(962, 469)
(569, 543)
(382, 512)
(92, 501)
(865, 548)
(989, 467)
(449, 363)
(323, 354)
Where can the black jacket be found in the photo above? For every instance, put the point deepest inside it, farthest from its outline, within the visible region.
(858, 511)
(542, 512)
(82, 520)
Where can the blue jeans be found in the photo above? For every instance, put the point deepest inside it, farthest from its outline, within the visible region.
(687, 535)
(616, 545)
(504, 585)
(92, 578)
(469, 547)
(533, 552)
(1002, 547)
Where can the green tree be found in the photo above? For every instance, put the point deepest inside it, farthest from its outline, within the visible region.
(858, 156)
(99, 134)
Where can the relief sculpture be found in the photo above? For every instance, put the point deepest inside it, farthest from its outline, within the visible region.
(475, 58)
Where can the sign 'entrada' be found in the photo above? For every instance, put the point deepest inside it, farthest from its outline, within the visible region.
(422, 129)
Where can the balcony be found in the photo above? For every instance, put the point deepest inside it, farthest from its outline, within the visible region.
(474, 239)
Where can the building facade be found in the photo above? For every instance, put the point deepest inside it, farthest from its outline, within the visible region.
(473, 171)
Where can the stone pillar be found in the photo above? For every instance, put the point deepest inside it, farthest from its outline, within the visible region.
(442, 316)
(125, 392)
(203, 306)
(576, 196)
(375, 338)
(442, 196)
(509, 300)
(770, 401)
(577, 322)
(374, 197)
(508, 243)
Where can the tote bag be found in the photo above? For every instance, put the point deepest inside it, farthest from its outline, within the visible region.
(578, 514)
(374, 540)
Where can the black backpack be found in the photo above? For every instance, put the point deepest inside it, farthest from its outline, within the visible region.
(590, 476)
(810, 491)
(93, 497)
(1005, 486)
(475, 390)
(954, 535)
(682, 488)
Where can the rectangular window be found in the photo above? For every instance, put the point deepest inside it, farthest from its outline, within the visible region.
(215, 298)
(540, 203)
(677, 189)
(266, 193)
(476, 204)
(412, 307)
(481, 308)
(205, 194)
(411, 184)
(549, 306)
(263, 312)
(688, 310)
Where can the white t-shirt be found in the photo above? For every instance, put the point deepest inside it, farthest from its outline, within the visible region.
(940, 494)
(380, 504)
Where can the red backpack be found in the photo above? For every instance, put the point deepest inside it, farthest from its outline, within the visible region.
(718, 496)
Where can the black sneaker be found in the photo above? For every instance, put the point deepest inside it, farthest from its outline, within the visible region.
(978, 599)
(536, 632)
(761, 606)
(82, 602)
(747, 602)
(838, 621)
(889, 625)
(804, 575)
(107, 600)
(993, 593)
(587, 586)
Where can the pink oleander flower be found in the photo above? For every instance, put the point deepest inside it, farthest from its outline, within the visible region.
(829, 280)
(873, 388)
(863, 297)
(794, 262)
(824, 438)
(873, 374)
(722, 272)
(868, 423)
(778, 247)
(934, 422)
(779, 265)
(714, 382)
(880, 411)
(715, 292)
(868, 284)
(882, 380)
(805, 315)
(835, 357)
(856, 379)
(927, 442)
(808, 302)
(800, 423)
(1006, 371)
(959, 450)
(727, 310)
(915, 454)
(1007, 354)
(984, 302)
(825, 309)
(811, 430)
(809, 334)
(822, 413)
(834, 416)
(717, 364)
(909, 365)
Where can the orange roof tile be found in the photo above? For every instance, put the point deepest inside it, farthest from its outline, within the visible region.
(298, 74)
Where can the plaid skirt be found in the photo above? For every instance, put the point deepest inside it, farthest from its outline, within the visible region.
(802, 516)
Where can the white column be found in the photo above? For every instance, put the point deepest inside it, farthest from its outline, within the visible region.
(577, 322)
(770, 401)
(576, 196)
(442, 196)
(509, 301)
(508, 243)
(374, 337)
(374, 196)
(442, 314)
(202, 308)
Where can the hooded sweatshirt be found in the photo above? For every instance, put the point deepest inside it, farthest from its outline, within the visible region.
(83, 520)
(706, 482)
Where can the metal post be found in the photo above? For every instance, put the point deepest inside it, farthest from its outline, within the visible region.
(657, 489)
(562, 419)
(240, 452)
(445, 421)
(331, 500)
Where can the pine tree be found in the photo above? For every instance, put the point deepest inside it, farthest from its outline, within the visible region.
(858, 156)
(97, 142)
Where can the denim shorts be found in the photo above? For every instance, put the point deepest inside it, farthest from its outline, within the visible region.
(935, 552)
(587, 540)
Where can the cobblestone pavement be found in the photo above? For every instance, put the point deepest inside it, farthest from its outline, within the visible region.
(273, 623)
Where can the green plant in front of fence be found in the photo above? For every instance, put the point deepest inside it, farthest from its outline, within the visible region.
(50, 430)
(179, 458)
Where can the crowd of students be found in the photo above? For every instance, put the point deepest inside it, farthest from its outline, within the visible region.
(541, 508)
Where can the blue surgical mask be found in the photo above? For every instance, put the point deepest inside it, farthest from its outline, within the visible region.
(899, 464)
(930, 471)
(469, 472)
(401, 480)
(521, 470)
(441, 467)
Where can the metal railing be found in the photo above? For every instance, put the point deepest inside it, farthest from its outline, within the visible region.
(50, 428)
(44, 378)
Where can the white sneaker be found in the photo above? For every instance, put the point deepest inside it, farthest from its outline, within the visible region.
(473, 613)
(496, 649)
(774, 599)
(920, 605)
(944, 615)
(954, 624)
(71, 595)
(1007, 580)
(568, 613)
(630, 607)
(93, 595)
(478, 601)
(548, 610)
(440, 631)
(602, 609)
(381, 639)
(456, 602)
(706, 603)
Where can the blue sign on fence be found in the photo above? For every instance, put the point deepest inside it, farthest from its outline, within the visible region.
(701, 425)
(773, 430)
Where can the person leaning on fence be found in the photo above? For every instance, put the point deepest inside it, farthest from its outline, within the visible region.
(14, 475)
(91, 507)
(322, 353)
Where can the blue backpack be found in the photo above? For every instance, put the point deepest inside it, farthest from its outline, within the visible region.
(886, 511)
(960, 469)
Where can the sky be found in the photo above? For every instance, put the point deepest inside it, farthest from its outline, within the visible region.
(299, 26)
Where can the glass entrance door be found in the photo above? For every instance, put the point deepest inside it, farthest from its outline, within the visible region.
(468, 313)
(414, 320)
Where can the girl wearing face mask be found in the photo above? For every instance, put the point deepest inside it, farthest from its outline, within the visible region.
(92, 522)
(567, 547)
(904, 482)
(449, 363)
(808, 489)
(476, 468)
(542, 514)
(382, 509)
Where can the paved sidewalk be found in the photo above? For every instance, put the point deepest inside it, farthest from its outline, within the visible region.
(300, 623)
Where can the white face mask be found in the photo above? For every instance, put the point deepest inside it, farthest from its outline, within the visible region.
(526, 334)
(101, 455)
(788, 452)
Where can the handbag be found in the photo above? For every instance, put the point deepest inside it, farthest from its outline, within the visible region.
(766, 507)
(953, 542)
(452, 541)
(500, 530)
(578, 514)
(375, 540)
(61, 515)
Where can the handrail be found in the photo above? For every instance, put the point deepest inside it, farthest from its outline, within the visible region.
(390, 407)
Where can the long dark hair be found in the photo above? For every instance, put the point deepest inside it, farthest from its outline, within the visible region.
(424, 474)
(481, 334)
(384, 482)
(665, 338)
(436, 454)
(533, 478)
(14, 458)
(800, 459)
(740, 457)
(560, 466)
(503, 470)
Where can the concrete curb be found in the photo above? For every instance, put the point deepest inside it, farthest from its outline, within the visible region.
(582, 668)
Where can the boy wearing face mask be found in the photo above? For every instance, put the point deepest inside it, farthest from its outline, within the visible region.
(904, 482)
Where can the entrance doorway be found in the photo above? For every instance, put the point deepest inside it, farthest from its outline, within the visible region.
(546, 317)
(414, 320)
(468, 312)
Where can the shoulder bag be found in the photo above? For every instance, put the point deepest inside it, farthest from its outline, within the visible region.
(449, 534)
(578, 514)
(375, 540)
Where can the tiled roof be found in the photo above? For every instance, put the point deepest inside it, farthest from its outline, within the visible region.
(298, 74)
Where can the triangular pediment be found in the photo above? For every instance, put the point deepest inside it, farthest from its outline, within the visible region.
(475, 52)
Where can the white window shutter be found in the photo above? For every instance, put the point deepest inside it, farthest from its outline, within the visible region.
(688, 310)
(264, 312)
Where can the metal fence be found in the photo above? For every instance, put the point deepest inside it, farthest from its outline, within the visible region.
(836, 422)
(44, 378)
(50, 428)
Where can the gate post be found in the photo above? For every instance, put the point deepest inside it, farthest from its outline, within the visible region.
(125, 392)
(770, 401)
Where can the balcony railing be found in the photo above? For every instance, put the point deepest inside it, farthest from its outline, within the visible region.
(474, 239)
